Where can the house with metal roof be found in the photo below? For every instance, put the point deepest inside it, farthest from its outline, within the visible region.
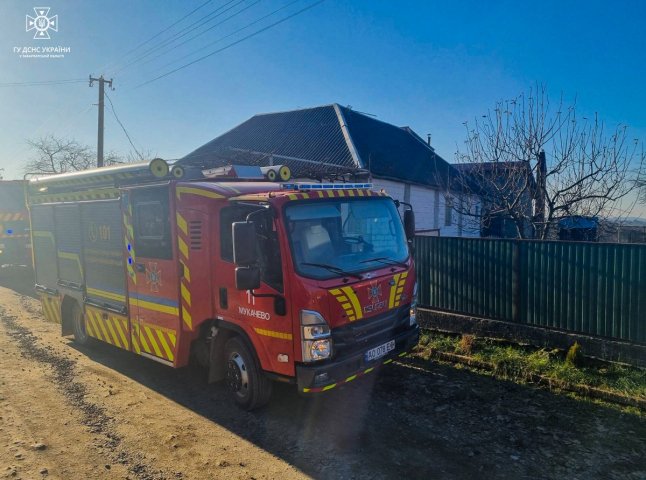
(506, 191)
(331, 140)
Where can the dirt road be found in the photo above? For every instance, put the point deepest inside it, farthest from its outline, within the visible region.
(72, 413)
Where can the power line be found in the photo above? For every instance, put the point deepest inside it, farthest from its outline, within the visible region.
(42, 83)
(257, 32)
(231, 34)
(123, 128)
(203, 32)
(182, 33)
(132, 50)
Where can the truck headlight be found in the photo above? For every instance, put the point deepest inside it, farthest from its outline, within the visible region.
(315, 335)
(413, 307)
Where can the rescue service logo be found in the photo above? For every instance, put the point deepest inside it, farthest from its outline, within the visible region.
(374, 297)
(153, 276)
(41, 23)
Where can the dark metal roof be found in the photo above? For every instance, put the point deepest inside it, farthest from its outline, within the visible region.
(327, 137)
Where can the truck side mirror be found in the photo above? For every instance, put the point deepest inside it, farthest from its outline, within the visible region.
(409, 224)
(247, 278)
(244, 243)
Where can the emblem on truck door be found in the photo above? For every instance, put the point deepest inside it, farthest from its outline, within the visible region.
(153, 276)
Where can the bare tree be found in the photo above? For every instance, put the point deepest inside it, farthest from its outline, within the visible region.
(52, 155)
(533, 163)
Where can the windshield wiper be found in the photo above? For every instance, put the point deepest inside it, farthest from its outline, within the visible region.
(334, 269)
(386, 261)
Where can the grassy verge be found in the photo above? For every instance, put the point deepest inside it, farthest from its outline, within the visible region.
(523, 363)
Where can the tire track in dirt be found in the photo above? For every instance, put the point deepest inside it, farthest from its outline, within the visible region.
(93, 416)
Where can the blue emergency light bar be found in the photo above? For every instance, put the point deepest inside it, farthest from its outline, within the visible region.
(324, 186)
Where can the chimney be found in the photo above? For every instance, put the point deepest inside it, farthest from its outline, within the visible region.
(428, 139)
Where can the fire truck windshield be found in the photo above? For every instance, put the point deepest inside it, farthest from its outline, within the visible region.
(344, 236)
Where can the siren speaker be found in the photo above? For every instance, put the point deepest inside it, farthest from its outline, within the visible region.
(177, 171)
(271, 175)
(285, 173)
(158, 167)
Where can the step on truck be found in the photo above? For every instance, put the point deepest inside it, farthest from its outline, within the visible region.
(258, 281)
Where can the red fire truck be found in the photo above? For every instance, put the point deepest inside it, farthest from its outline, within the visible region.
(307, 283)
(15, 249)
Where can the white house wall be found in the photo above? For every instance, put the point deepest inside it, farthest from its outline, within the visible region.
(429, 205)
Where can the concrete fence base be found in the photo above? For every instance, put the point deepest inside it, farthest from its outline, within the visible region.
(597, 347)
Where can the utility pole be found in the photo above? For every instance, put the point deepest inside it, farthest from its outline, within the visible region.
(99, 143)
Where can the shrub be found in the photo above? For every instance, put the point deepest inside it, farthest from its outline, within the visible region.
(465, 346)
(574, 355)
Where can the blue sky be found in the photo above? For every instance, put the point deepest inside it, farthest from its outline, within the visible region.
(430, 65)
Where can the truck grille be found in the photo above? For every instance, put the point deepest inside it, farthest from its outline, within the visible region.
(357, 336)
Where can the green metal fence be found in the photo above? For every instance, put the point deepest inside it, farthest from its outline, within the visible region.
(592, 288)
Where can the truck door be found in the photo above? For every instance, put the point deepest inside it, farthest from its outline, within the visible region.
(153, 278)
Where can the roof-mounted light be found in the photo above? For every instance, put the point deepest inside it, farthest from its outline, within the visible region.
(324, 186)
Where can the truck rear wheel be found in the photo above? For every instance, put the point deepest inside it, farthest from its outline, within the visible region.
(246, 381)
(78, 319)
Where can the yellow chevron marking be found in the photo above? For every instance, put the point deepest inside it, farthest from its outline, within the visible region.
(181, 224)
(135, 344)
(391, 297)
(350, 378)
(342, 298)
(336, 291)
(164, 344)
(113, 333)
(292, 196)
(173, 340)
(320, 194)
(186, 295)
(106, 294)
(196, 191)
(360, 192)
(88, 325)
(106, 336)
(120, 330)
(153, 342)
(142, 339)
(341, 193)
(402, 354)
(183, 248)
(274, 334)
(346, 306)
(188, 319)
(187, 272)
(328, 387)
(354, 300)
(388, 361)
(95, 328)
(368, 370)
(330, 193)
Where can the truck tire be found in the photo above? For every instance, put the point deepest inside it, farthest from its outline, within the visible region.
(249, 386)
(78, 320)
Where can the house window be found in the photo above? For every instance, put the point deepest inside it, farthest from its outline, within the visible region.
(448, 212)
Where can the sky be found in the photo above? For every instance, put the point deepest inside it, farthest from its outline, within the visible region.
(429, 65)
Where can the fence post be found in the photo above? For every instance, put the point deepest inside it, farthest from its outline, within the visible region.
(515, 281)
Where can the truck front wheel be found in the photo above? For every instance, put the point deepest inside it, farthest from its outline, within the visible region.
(247, 383)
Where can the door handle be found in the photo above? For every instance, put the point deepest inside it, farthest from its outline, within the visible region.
(141, 268)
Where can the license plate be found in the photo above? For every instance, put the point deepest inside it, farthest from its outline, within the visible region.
(380, 351)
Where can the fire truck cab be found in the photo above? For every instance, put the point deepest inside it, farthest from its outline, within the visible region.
(307, 283)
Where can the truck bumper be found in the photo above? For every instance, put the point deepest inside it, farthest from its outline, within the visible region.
(311, 378)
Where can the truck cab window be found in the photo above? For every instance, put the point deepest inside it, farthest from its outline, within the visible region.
(267, 239)
(152, 225)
